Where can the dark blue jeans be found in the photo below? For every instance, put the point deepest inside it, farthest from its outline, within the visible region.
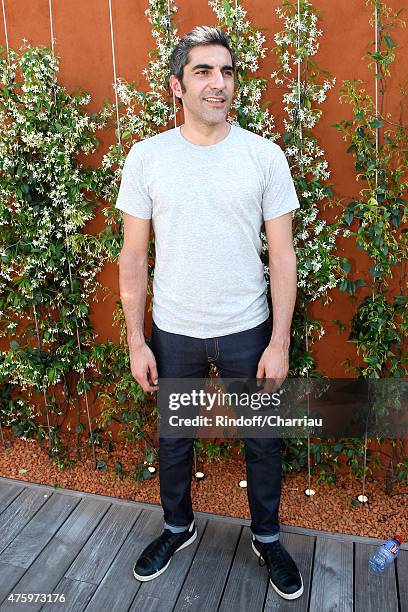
(235, 356)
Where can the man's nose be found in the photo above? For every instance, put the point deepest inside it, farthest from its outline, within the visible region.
(218, 81)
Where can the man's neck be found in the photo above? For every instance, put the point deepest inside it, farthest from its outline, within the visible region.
(205, 135)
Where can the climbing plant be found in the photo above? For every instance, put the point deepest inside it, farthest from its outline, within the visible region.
(376, 219)
(141, 114)
(305, 86)
(49, 263)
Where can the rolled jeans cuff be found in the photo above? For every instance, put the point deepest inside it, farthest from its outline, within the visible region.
(267, 538)
(177, 529)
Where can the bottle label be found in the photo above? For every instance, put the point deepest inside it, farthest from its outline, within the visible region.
(392, 547)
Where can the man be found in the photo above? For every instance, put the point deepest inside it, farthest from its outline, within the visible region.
(206, 186)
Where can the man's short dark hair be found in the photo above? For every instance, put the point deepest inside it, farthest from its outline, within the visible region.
(200, 35)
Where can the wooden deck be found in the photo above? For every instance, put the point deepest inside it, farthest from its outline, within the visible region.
(84, 546)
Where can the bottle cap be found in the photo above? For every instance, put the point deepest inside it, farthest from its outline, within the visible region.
(399, 539)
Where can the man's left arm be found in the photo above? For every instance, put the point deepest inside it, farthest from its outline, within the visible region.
(274, 362)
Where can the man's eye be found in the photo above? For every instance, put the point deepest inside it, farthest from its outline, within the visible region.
(202, 72)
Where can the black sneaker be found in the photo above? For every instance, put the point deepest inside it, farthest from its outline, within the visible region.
(156, 557)
(283, 572)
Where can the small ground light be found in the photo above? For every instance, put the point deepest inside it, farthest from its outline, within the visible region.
(199, 475)
(151, 469)
(363, 499)
(310, 492)
(242, 484)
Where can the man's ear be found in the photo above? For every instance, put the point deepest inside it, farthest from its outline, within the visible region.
(175, 86)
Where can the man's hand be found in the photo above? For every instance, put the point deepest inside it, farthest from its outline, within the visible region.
(143, 366)
(274, 365)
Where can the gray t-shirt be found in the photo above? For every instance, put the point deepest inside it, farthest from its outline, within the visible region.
(206, 204)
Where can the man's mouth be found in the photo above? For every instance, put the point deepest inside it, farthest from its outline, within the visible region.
(214, 101)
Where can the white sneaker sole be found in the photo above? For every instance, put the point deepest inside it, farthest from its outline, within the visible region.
(163, 569)
(284, 595)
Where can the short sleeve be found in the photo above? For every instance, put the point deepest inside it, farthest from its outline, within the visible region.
(133, 197)
(280, 195)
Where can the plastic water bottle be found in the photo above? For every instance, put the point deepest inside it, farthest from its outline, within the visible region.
(385, 554)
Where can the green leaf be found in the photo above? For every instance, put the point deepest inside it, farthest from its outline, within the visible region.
(388, 41)
(101, 465)
(119, 469)
(374, 271)
(226, 6)
(376, 55)
(348, 217)
(376, 123)
(342, 284)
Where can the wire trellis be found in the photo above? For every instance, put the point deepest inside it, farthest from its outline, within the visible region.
(43, 384)
(5, 29)
(8, 62)
(309, 491)
(114, 75)
(363, 497)
(169, 24)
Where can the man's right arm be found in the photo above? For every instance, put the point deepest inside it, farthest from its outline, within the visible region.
(133, 273)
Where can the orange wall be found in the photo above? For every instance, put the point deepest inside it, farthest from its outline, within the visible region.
(82, 34)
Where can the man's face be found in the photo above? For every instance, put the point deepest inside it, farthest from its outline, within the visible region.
(208, 81)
